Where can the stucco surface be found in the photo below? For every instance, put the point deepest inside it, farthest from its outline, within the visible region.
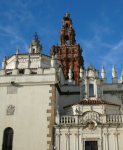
(29, 121)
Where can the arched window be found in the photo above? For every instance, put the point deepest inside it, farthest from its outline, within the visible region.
(7, 139)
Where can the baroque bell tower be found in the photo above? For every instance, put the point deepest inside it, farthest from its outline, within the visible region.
(68, 51)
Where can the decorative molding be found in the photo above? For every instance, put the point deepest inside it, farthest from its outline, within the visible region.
(76, 135)
(58, 134)
(67, 135)
(116, 134)
(10, 110)
(113, 91)
(106, 135)
(91, 115)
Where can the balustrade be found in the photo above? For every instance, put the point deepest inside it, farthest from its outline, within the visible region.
(67, 120)
(114, 118)
(74, 120)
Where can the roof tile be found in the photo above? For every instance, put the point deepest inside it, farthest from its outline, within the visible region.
(92, 102)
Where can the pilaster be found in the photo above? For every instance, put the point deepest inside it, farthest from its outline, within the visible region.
(86, 88)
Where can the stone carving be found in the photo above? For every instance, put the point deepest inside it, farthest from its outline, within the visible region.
(91, 125)
(91, 115)
(12, 90)
(76, 134)
(58, 134)
(57, 111)
(106, 135)
(76, 111)
(10, 110)
(67, 135)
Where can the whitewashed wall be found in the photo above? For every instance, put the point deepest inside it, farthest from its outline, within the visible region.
(31, 97)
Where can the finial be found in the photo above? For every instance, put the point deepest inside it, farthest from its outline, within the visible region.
(114, 73)
(4, 63)
(103, 72)
(121, 78)
(36, 38)
(67, 14)
(57, 111)
(81, 72)
(53, 57)
(17, 52)
(53, 61)
(4, 59)
(70, 74)
(103, 69)
(90, 66)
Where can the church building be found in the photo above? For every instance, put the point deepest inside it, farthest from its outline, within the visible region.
(54, 103)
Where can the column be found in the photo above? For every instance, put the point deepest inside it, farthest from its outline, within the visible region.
(95, 89)
(81, 91)
(67, 141)
(86, 88)
(116, 140)
(82, 141)
(106, 141)
(76, 141)
(58, 141)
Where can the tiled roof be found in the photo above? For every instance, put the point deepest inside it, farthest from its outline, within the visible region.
(92, 102)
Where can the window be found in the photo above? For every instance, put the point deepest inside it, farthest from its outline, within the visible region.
(7, 139)
(98, 90)
(33, 51)
(83, 91)
(91, 145)
(91, 90)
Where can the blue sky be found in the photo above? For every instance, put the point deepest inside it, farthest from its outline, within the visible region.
(98, 25)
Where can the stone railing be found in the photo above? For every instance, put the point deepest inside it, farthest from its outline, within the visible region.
(78, 119)
(67, 119)
(114, 118)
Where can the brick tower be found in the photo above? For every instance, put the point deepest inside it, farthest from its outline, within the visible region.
(68, 51)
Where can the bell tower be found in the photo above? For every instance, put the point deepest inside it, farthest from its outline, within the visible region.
(35, 46)
(68, 51)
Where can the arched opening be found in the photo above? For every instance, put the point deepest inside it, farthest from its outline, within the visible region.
(66, 39)
(33, 51)
(67, 26)
(7, 139)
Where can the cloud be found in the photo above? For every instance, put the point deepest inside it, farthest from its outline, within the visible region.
(114, 55)
(101, 51)
(15, 39)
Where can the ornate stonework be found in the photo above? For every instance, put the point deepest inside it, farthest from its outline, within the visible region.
(10, 110)
(91, 115)
(68, 51)
(91, 125)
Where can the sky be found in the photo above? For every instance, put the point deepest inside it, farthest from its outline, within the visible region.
(98, 26)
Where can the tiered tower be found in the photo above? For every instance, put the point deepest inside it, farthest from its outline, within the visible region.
(68, 51)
